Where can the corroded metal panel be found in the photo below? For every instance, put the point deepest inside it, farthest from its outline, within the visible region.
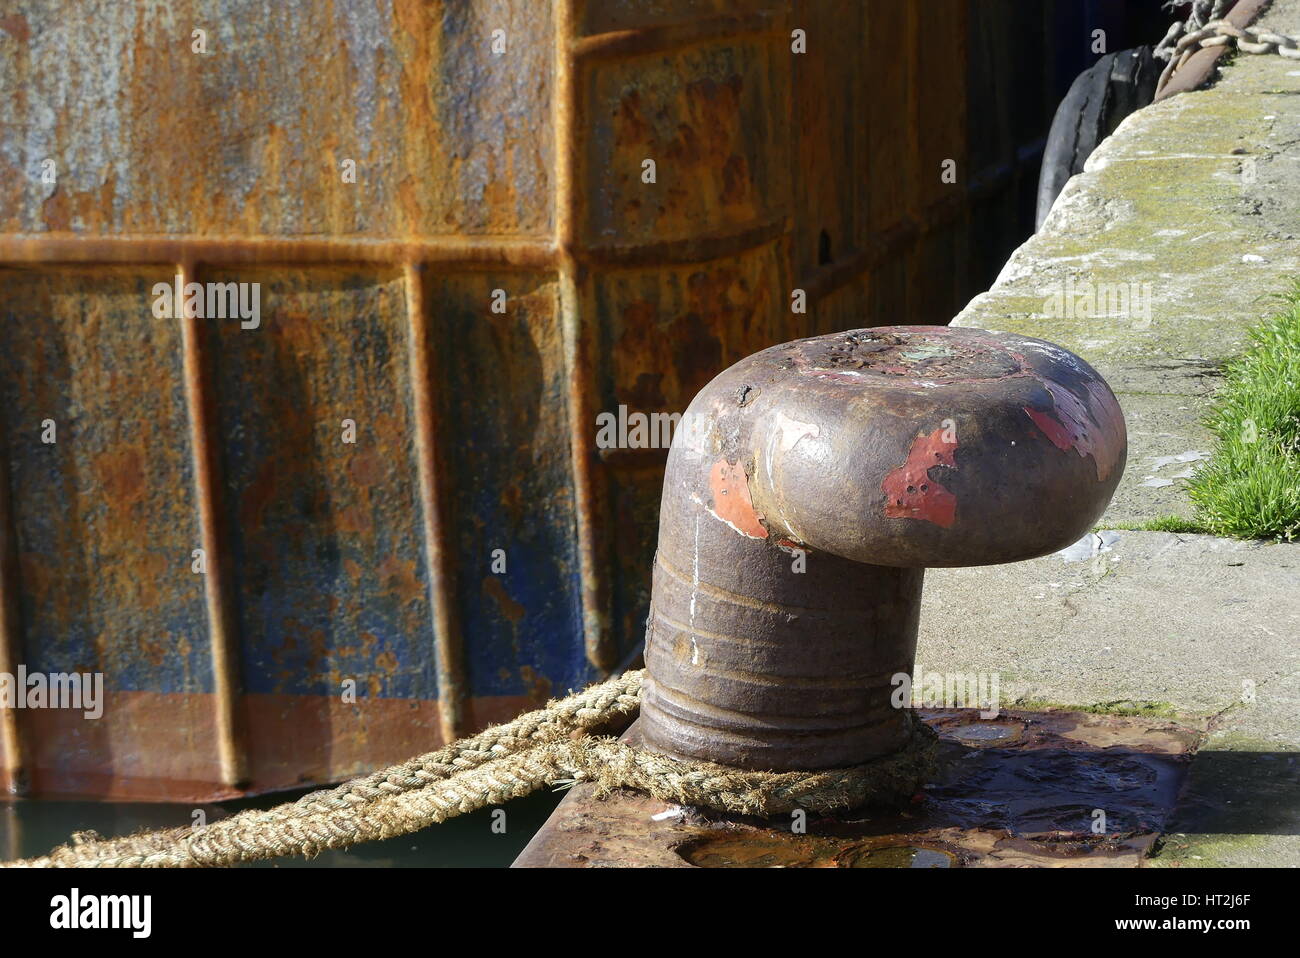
(249, 136)
(320, 483)
(712, 121)
(940, 144)
(482, 162)
(666, 333)
(502, 381)
(832, 96)
(102, 504)
(597, 17)
(848, 304)
(101, 492)
(319, 473)
(688, 257)
(888, 121)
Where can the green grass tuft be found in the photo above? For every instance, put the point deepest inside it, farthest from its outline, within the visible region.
(1250, 487)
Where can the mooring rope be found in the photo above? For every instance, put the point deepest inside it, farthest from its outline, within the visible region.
(539, 748)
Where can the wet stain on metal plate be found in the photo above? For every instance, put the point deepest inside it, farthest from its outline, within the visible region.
(1022, 789)
(988, 734)
(783, 851)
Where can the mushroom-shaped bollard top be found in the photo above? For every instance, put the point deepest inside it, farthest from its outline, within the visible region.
(806, 490)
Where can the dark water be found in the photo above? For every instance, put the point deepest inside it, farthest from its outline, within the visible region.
(33, 827)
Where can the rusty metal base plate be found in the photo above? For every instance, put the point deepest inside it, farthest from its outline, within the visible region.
(1048, 789)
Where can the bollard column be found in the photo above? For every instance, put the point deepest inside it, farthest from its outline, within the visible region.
(805, 492)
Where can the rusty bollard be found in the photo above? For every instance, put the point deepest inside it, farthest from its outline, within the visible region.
(807, 489)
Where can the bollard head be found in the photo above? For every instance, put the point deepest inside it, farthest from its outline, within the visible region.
(909, 445)
(806, 490)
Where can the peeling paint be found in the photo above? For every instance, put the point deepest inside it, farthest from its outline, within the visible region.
(788, 434)
(731, 501)
(1074, 427)
(909, 490)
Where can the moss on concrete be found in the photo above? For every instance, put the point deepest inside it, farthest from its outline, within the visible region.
(1209, 851)
(1192, 204)
(1123, 707)
(1181, 524)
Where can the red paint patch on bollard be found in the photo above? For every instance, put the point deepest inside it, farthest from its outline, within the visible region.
(911, 493)
(731, 501)
(1073, 427)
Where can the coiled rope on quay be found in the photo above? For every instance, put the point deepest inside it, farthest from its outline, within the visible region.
(539, 748)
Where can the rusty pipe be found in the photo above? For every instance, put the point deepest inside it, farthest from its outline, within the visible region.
(807, 489)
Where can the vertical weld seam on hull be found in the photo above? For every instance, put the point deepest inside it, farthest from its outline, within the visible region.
(11, 739)
(13, 846)
(578, 358)
(785, 250)
(222, 631)
(449, 643)
(912, 206)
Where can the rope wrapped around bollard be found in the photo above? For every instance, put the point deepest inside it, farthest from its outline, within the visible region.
(539, 748)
